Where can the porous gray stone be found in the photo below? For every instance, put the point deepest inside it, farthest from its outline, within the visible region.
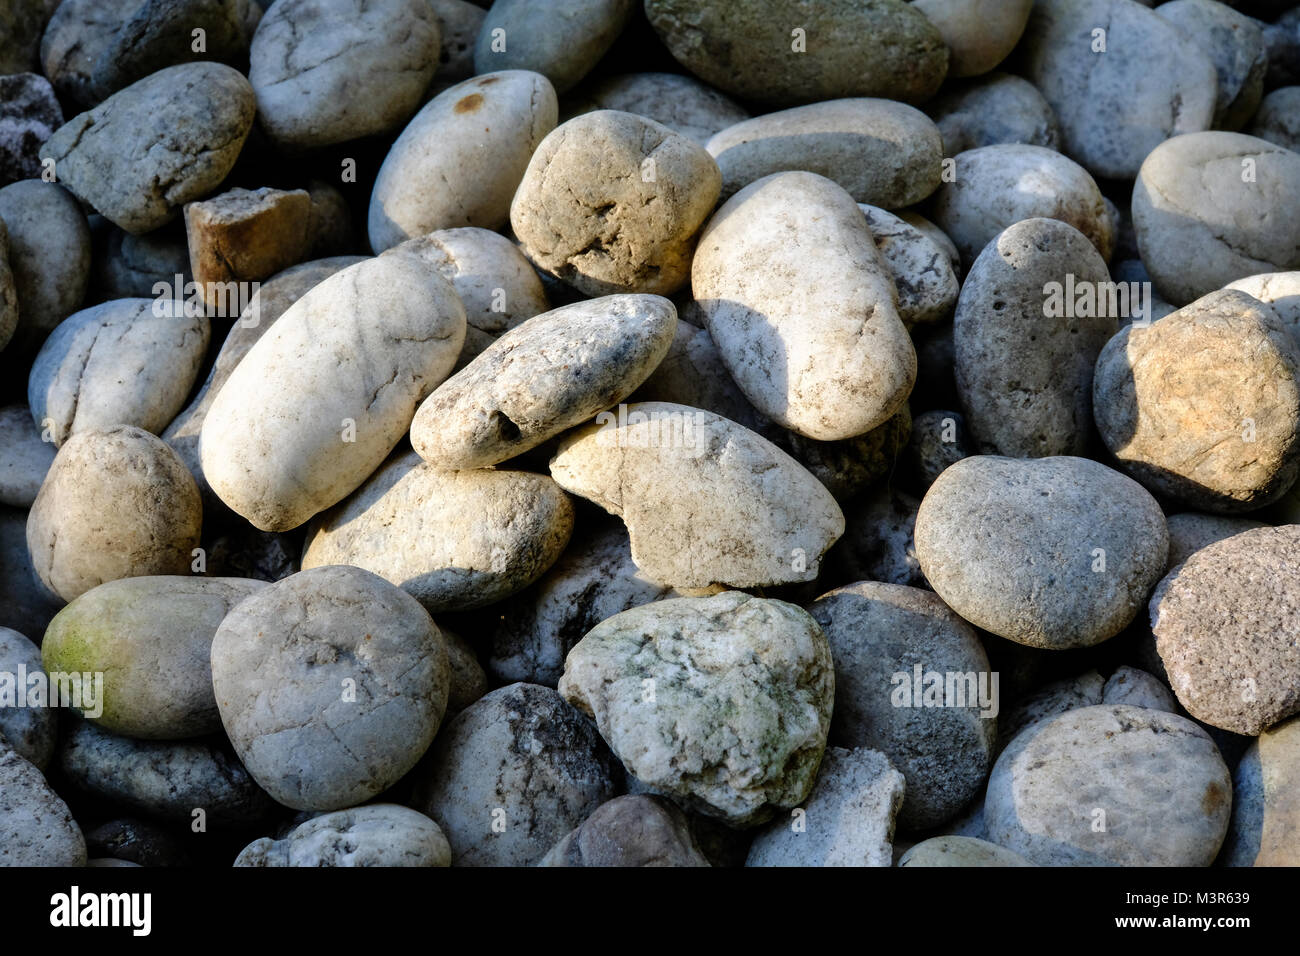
(560, 39)
(1225, 621)
(1190, 531)
(28, 723)
(29, 114)
(922, 271)
(1024, 350)
(879, 540)
(1234, 43)
(939, 440)
(37, 826)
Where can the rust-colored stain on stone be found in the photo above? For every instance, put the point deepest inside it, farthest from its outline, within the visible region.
(469, 103)
(1213, 799)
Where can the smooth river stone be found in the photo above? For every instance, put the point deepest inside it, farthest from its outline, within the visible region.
(560, 39)
(1048, 552)
(1265, 829)
(455, 540)
(460, 159)
(378, 834)
(1025, 377)
(748, 48)
(979, 33)
(271, 301)
(741, 690)
(149, 149)
(331, 685)
(150, 637)
(1226, 622)
(1281, 290)
(922, 271)
(882, 152)
(802, 308)
(362, 350)
(1111, 785)
(706, 501)
(1151, 73)
(631, 830)
(327, 71)
(25, 458)
(543, 377)
(27, 724)
(998, 186)
(1211, 208)
(993, 110)
(1235, 45)
(80, 380)
(1203, 406)
(681, 103)
(960, 851)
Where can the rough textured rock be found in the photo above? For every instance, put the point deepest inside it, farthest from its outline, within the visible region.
(879, 540)
(150, 638)
(246, 235)
(884, 153)
(802, 308)
(37, 826)
(739, 700)
(1234, 43)
(1224, 622)
(49, 254)
(612, 202)
(460, 159)
(746, 48)
(1206, 212)
(1204, 405)
(25, 458)
(847, 820)
(543, 377)
(923, 275)
(1281, 290)
(79, 381)
(593, 580)
(362, 349)
(1049, 552)
(327, 71)
(882, 637)
(633, 830)
(960, 851)
(560, 39)
(994, 110)
(939, 440)
(682, 103)
(28, 723)
(8, 294)
(164, 779)
(497, 285)
(1024, 350)
(270, 302)
(706, 501)
(1278, 118)
(343, 700)
(378, 834)
(454, 540)
(998, 186)
(146, 151)
(29, 114)
(979, 33)
(1151, 73)
(1265, 827)
(459, 22)
(512, 774)
(1111, 785)
(117, 503)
